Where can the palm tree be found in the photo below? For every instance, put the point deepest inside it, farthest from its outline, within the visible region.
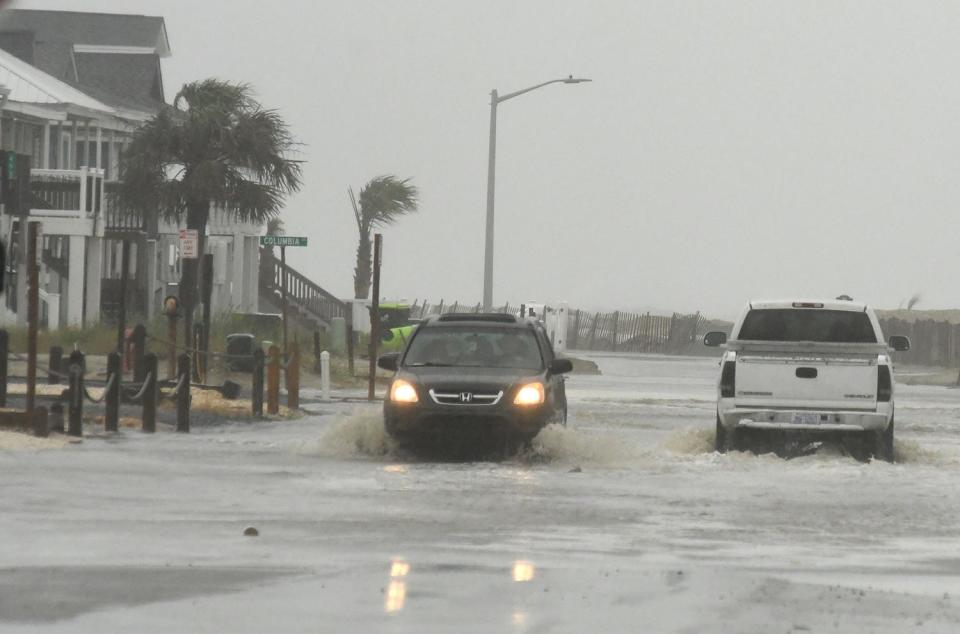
(217, 146)
(382, 201)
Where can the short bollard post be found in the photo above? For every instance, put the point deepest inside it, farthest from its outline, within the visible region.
(55, 418)
(256, 396)
(183, 393)
(111, 419)
(41, 424)
(54, 361)
(75, 422)
(150, 393)
(293, 377)
(325, 375)
(273, 381)
(139, 342)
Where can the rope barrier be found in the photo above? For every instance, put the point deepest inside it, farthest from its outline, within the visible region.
(184, 380)
(106, 390)
(222, 355)
(40, 366)
(143, 389)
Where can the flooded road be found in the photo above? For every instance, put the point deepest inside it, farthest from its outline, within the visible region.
(626, 519)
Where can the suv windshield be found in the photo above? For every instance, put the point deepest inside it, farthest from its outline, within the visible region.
(487, 347)
(803, 324)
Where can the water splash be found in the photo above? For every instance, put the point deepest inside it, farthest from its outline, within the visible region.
(358, 434)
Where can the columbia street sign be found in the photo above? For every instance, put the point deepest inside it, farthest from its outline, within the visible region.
(283, 241)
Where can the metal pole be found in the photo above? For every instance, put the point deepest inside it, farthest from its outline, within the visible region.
(375, 315)
(183, 396)
(491, 185)
(33, 315)
(283, 267)
(112, 414)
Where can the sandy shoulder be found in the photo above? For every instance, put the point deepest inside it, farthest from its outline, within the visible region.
(13, 440)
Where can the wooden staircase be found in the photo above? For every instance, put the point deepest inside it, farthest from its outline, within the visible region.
(306, 300)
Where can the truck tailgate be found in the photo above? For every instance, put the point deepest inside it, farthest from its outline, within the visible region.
(807, 381)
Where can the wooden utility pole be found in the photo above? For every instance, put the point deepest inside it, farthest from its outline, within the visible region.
(33, 315)
(283, 293)
(375, 314)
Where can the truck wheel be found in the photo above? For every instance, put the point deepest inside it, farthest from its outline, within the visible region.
(720, 440)
(883, 443)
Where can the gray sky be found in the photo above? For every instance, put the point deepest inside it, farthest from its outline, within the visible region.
(724, 151)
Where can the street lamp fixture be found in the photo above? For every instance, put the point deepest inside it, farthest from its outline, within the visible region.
(496, 99)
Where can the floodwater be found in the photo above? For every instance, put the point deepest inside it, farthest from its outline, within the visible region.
(626, 519)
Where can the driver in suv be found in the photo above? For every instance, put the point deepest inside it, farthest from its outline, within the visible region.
(486, 375)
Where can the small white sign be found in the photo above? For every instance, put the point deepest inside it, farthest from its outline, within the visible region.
(189, 243)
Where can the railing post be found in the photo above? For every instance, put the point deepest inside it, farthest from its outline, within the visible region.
(256, 397)
(183, 394)
(111, 420)
(4, 354)
(139, 341)
(293, 377)
(53, 364)
(75, 423)
(273, 381)
(150, 394)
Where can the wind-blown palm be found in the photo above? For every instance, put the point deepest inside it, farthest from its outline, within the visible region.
(382, 202)
(216, 146)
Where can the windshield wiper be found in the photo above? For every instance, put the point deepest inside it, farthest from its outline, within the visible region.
(430, 364)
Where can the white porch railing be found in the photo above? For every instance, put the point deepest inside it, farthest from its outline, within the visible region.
(67, 193)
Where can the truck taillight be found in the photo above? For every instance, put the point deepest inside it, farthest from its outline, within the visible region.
(884, 385)
(728, 379)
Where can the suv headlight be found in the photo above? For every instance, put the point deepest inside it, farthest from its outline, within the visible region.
(530, 394)
(403, 392)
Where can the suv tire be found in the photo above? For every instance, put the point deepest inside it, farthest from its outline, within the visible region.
(720, 439)
(883, 443)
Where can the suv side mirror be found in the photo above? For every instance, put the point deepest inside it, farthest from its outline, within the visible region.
(561, 366)
(389, 361)
(899, 343)
(714, 339)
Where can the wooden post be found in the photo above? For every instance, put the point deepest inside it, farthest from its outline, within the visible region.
(350, 342)
(375, 315)
(112, 399)
(75, 422)
(256, 397)
(54, 361)
(283, 294)
(4, 357)
(56, 414)
(206, 287)
(273, 381)
(122, 314)
(33, 315)
(171, 345)
(138, 340)
(293, 377)
(150, 394)
(316, 351)
(183, 395)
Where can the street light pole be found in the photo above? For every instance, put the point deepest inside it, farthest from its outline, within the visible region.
(495, 99)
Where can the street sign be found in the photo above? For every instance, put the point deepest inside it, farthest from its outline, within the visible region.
(189, 243)
(283, 241)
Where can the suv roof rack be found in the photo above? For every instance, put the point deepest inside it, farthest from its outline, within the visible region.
(500, 318)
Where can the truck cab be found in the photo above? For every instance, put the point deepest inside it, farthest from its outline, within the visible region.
(794, 369)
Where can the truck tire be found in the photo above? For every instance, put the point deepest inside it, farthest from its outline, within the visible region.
(883, 444)
(720, 439)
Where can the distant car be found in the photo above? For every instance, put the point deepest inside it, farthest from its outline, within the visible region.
(486, 376)
(798, 369)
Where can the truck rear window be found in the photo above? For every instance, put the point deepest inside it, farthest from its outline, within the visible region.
(804, 324)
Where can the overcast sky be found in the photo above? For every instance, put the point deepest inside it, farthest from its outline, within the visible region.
(724, 151)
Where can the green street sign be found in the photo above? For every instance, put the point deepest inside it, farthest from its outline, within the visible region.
(283, 241)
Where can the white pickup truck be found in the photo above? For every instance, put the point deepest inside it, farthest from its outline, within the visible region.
(794, 370)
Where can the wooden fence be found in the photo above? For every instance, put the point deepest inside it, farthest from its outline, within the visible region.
(632, 332)
(617, 331)
(933, 343)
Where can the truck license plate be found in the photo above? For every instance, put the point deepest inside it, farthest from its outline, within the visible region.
(803, 418)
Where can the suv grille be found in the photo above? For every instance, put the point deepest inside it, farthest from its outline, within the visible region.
(465, 398)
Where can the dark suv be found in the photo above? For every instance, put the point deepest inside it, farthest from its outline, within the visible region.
(490, 375)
